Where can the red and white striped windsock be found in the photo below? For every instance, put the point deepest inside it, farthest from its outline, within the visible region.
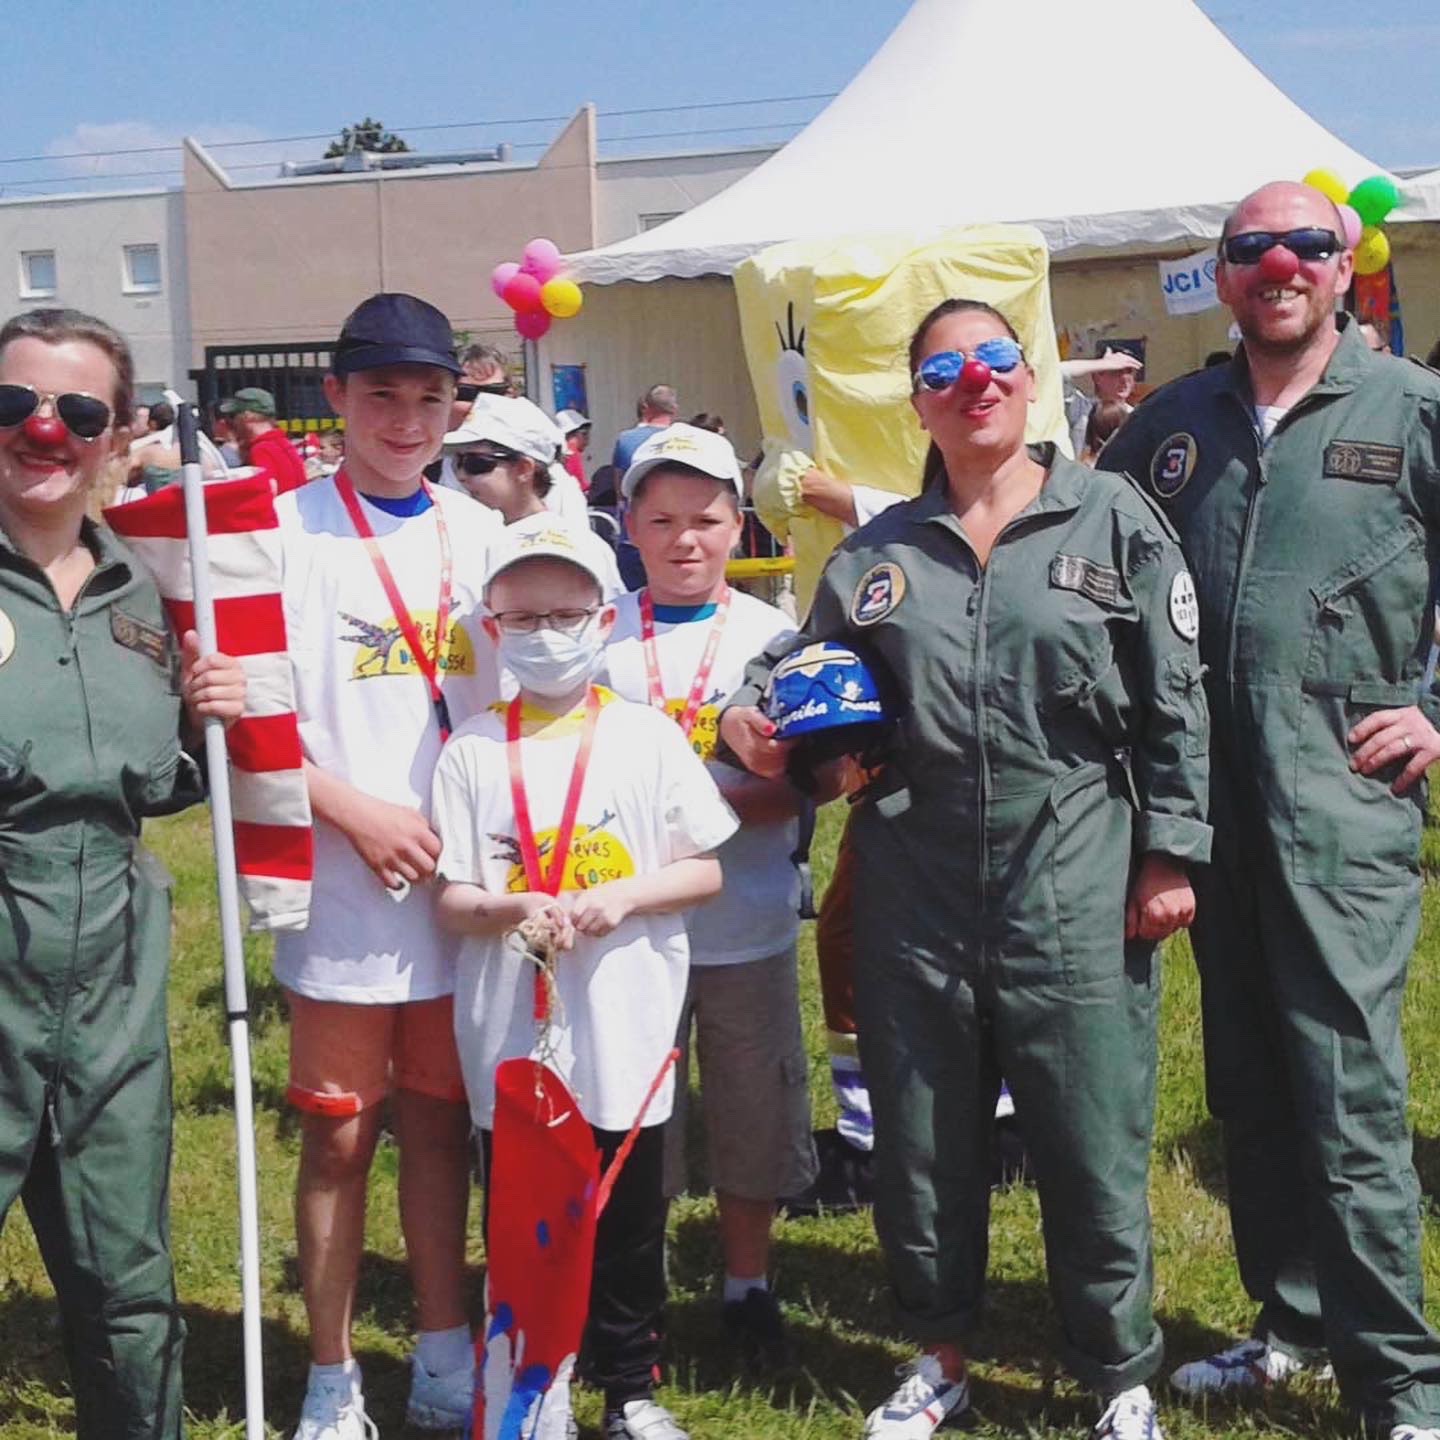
(273, 839)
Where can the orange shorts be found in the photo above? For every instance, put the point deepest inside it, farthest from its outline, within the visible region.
(344, 1058)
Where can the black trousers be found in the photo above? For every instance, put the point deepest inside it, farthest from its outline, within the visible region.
(621, 1349)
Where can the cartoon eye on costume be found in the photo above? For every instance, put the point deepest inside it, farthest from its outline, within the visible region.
(792, 380)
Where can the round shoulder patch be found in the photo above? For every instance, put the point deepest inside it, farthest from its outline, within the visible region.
(1173, 464)
(7, 637)
(881, 589)
(1184, 606)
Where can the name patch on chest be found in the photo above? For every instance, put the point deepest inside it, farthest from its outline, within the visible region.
(133, 634)
(1364, 460)
(1074, 572)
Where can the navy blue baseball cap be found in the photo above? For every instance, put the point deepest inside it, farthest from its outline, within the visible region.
(394, 329)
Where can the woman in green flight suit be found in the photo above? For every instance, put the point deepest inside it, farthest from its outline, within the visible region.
(90, 720)
(1018, 858)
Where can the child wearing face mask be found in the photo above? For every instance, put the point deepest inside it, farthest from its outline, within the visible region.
(591, 818)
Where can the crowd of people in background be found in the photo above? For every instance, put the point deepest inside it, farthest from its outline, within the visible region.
(1183, 697)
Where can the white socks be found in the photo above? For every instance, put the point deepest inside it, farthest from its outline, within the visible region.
(443, 1352)
(737, 1287)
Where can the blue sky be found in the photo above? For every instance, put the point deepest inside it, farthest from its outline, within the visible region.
(306, 67)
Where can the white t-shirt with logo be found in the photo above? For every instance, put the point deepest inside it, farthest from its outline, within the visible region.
(647, 802)
(565, 497)
(755, 915)
(366, 717)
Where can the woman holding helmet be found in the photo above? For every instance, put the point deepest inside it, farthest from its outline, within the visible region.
(1023, 848)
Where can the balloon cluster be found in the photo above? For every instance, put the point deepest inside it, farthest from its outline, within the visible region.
(535, 289)
(1362, 211)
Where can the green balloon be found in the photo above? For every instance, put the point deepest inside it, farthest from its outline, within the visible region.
(1373, 199)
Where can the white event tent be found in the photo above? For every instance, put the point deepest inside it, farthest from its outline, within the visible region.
(1117, 127)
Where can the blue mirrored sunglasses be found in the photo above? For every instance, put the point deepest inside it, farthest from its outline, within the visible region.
(942, 370)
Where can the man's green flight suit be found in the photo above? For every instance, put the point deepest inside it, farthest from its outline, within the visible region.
(1312, 556)
(89, 744)
(1054, 730)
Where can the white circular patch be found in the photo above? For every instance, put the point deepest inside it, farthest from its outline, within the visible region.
(1184, 606)
(7, 637)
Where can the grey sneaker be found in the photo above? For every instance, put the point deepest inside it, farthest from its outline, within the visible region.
(1248, 1365)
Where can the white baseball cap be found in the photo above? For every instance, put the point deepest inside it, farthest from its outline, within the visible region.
(552, 543)
(570, 420)
(513, 424)
(688, 445)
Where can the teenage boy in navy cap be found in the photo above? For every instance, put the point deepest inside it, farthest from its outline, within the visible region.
(381, 587)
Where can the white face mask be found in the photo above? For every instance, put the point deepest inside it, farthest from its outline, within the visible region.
(549, 662)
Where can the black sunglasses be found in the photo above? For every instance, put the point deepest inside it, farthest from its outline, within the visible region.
(1311, 243)
(83, 415)
(467, 390)
(473, 463)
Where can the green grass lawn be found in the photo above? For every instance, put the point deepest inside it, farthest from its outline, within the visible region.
(828, 1271)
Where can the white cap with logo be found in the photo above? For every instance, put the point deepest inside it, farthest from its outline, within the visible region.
(512, 423)
(686, 445)
(552, 543)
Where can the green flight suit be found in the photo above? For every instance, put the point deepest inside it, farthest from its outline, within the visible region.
(1312, 556)
(1055, 730)
(89, 722)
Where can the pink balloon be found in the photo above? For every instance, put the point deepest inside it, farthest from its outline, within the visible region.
(502, 275)
(1350, 218)
(531, 324)
(541, 258)
(521, 292)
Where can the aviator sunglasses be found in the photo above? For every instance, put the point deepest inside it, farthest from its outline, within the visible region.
(473, 463)
(942, 370)
(1311, 243)
(83, 415)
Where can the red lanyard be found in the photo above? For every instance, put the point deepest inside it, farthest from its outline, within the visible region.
(653, 683)
(536, 877)
(429, 664)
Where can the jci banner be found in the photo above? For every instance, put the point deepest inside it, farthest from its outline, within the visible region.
(1188, 285)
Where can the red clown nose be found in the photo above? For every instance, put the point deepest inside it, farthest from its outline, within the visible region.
(974, 375)
(44, 429)
(1278, 265)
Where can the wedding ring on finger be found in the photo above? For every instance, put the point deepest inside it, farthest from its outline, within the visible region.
(1408, 743)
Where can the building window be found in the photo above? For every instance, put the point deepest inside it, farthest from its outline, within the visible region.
(651, 222)
(37, 274)
(142, 269)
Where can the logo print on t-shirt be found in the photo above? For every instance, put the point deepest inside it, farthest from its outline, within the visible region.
(596, 856)
(705, 733)
(385, 651)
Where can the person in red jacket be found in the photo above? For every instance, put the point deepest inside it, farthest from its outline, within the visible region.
(251, 413)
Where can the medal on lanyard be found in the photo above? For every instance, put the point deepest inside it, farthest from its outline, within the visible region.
(654, 685)
(429, 665)
(537, 876)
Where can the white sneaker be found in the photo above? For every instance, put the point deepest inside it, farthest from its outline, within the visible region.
(441, 1402)
(921, 1405)
(332, 1413)
(1248, 1365)
(1130, 1416)
(1413, 1432)
(642, 1420)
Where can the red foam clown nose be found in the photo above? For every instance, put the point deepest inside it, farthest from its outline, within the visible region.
(45, 429)
(974, 375)
(1278, 265)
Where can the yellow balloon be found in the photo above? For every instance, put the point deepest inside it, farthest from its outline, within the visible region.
(1372, 254)
(1329, 184)
(561, 297)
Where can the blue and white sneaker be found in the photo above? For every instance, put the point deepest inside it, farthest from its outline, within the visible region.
(922, 1404)
(1130, 1416)
(441, 1402)
(1248, 1365)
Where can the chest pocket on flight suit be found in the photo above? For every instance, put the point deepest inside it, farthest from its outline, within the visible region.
(1349, 828)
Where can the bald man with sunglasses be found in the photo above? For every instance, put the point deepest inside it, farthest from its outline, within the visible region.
(1304, 480)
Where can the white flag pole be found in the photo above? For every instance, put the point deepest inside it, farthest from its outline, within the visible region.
(236, 1006)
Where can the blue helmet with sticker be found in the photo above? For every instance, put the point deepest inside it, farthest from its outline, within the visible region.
(829, 696)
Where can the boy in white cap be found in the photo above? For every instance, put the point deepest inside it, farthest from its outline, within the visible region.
(570, 806)
(498, 457)
(681, 645)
